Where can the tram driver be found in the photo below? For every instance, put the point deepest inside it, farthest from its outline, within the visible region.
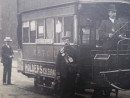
(110, 30)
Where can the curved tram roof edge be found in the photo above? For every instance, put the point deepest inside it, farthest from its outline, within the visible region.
(104, 1)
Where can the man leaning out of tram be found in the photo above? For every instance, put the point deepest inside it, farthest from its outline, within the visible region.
(110, 30)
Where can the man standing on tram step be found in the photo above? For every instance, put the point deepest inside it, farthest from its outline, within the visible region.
(108, 28)
(7, 55)
(66, 68)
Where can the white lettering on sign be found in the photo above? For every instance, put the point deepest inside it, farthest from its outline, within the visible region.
(37, 68)
(44, 41)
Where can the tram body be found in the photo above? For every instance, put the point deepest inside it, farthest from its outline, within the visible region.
(41, 25)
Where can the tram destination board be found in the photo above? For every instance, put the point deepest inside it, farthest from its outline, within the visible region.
(31, 67)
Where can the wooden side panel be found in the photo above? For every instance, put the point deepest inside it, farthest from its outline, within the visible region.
(29, 51)
(56, 50)
(45, 53)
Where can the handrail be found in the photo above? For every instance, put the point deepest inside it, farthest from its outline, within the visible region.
(118, 43)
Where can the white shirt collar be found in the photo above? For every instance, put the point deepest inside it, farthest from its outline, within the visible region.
(8, 46)
(112, 20)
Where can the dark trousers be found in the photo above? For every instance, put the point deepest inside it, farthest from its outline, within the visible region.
(67, 87)
(7, 73)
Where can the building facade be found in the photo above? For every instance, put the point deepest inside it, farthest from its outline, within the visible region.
(8, 21)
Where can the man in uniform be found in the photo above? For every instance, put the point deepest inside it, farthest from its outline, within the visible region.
(66, 69)
(7, 55)
(109, 30)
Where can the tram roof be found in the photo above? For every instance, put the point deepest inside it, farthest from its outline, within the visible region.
(29, 5)
(104, 1)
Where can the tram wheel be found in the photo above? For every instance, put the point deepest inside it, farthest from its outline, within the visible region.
(35, 82)
(97, 93)
(101, 93)
(107, 92)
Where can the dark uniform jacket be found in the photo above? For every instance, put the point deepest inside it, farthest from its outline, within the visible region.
(106, 28)
(6, 53)
(66, 61)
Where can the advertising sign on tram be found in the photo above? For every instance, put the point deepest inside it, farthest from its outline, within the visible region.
(39, 68)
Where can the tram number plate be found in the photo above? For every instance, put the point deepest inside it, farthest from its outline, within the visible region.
(39, 69)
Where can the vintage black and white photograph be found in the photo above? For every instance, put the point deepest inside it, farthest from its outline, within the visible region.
(64, 48)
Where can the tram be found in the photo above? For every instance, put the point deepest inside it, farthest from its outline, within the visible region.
(41, 25)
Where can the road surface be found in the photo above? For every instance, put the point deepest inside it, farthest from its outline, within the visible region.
(23, 87)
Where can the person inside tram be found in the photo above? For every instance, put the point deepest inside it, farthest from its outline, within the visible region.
(110, 30)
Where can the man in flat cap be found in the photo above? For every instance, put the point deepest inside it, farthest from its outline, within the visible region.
(66, 68)
(7, 55)
(108, 30)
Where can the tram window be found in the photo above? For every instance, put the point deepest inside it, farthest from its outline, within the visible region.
(69, 25)
(41, 28)
(32, 31)
(85, 35)
(25, 32)
(49, 28)
(58, 29)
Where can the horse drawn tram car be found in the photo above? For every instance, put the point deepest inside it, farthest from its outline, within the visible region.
(41, 25)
